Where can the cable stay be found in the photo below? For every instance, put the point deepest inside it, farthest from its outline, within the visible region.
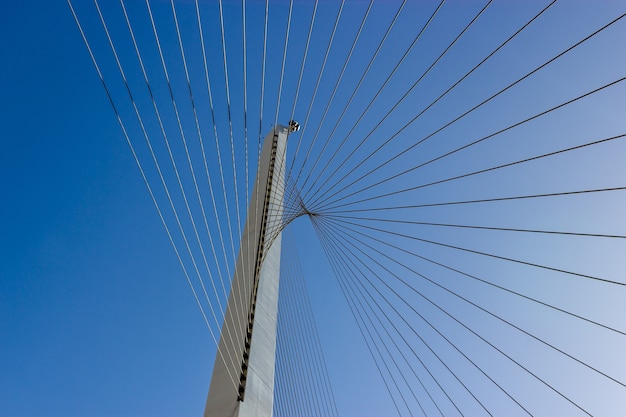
(459, 170)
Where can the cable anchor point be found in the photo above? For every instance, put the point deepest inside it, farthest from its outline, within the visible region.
(293, 126)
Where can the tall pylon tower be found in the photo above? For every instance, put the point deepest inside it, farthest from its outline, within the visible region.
(242, 383)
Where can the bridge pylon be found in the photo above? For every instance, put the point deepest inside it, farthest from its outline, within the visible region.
(242, 384)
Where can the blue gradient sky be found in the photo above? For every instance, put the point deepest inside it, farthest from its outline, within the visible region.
(95, 316)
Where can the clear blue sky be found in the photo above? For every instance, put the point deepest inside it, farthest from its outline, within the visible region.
(96, 318)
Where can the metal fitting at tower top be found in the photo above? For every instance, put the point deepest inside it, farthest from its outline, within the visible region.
(293, 126)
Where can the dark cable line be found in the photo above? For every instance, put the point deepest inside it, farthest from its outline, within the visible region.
(343, 257)
(481, 171)
(218, 153)
(304, 362)
(262, 95)
(282, 398)
(404, 56)
(293, 334)
(143, 175)
(158, 167)
(354, 282)
(311, 325)
(200, 139)
(361, 323)
(282, 378)
(401, 99)
(204, 159)
(365, 72)
(464, 226)
(356, 300)
(282, 68)
(319, 79)
(346, 257)
(332, 96)
(487, 200)
(470, 302)
(484, 138)
(305, 391)
(184, 141)
(230, 121)
(163, 132)
(304, 57)
(473, 108)
(604, 280)
(288, 337)
(409, 346)
(467, 328)
(408, 304)
(467, 74)
(245, 96)
(337, 270)
(484, 281)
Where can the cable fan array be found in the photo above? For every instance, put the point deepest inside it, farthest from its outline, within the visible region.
(459, 165)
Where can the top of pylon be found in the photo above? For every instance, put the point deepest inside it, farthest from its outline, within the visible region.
(293, 126)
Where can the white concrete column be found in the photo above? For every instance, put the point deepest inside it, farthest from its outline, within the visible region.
(242, 383)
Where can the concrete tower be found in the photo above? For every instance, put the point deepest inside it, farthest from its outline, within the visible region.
(243, 375)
